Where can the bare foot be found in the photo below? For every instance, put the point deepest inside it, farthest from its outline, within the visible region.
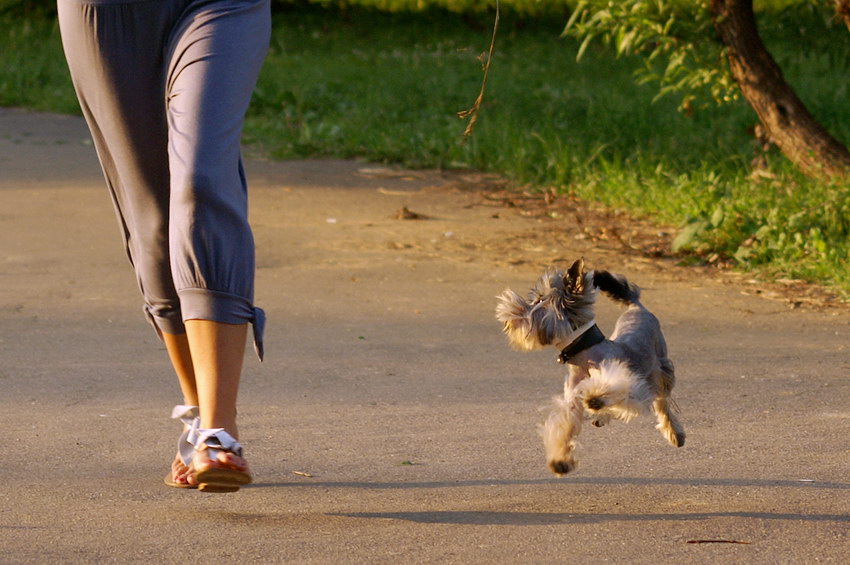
(223, 460)
(226, 472)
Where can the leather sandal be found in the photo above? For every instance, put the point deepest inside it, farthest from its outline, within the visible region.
(191, 420)
(215, 475)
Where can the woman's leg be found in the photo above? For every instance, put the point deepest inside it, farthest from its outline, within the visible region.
(214, 59)
(177, 346)
(177, 182)
(114, 53)
(217, 353)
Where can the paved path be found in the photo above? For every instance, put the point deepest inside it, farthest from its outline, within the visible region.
(390, 422)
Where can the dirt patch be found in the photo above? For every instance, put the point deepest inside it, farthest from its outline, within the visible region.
(564, 222)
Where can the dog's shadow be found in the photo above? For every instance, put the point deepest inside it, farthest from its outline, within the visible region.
(598, 481)
(520, 518)
(495, 518)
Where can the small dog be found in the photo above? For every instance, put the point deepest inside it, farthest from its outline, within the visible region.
(616, 378)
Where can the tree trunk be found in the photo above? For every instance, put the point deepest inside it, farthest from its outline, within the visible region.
(786, 120)
(842, 11)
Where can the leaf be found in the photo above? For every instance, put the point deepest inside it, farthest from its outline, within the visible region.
(578, 12)
(743, 254)
(689, 234)
(583, 47)
(625, 43)
(717, 216)
(668, 24)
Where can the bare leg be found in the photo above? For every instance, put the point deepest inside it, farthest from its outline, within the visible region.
(177, 346)
(217, 351)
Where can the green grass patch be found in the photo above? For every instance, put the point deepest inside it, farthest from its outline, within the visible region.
(387, 87)
(33, 72)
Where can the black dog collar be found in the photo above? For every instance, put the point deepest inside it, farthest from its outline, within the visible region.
(587, 340)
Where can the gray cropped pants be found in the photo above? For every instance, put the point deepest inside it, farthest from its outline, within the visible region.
(164, 86)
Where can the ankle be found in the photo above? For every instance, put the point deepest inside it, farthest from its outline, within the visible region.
(228, 426)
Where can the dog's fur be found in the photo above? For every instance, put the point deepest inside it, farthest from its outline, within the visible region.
(621, 377)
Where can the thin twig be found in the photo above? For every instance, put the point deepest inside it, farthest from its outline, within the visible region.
(472, 113)
(718, 541)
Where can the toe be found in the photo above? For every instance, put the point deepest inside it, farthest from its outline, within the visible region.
(222, 460)
(232, 460)
(180, 472)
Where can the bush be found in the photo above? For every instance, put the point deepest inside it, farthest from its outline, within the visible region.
(522, 7)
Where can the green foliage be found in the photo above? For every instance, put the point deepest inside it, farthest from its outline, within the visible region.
(522, 7)
(677, 41)
(674, 37)
(386, 87)
(389, 87)
(28, 7)
(33, 72)
(801, 230)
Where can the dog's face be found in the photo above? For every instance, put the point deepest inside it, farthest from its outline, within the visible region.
(559, 303)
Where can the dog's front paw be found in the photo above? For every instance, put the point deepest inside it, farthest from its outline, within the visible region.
(562, 467)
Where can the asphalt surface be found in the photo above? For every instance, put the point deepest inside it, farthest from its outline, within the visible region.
(390, 422)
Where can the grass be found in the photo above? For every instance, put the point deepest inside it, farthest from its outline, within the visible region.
(33, 72)
(387, 87)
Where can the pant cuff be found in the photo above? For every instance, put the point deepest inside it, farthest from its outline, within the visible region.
(170, 324)
(204, 304)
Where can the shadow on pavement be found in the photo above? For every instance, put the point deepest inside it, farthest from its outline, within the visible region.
(636, 481)
(490, 518)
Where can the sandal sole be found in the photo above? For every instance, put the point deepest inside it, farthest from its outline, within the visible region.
(222, 480)
(170, 482)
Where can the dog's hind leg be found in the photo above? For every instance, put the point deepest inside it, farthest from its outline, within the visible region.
(559, 433)
(668, 423)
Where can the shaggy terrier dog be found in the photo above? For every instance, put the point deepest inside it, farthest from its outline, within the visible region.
(621, 377)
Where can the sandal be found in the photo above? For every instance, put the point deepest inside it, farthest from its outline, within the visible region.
(185, 449)
(215, 475)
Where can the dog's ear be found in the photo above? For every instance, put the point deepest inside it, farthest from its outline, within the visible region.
(575, 274)
(513, 310)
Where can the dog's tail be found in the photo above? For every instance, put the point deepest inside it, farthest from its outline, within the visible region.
(616, 287)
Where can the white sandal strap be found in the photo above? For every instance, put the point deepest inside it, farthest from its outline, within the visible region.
(216, 439)
(189, 415)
